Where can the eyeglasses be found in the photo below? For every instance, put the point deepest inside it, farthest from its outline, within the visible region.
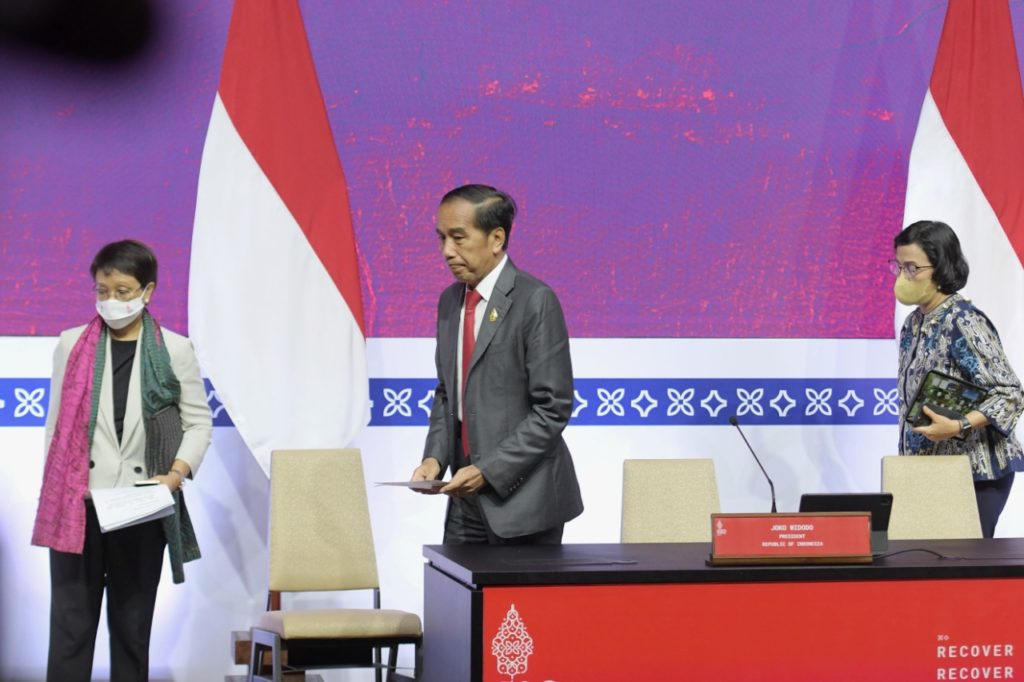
(121, 293)
(910, 270)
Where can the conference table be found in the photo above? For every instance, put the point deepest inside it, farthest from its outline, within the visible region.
(924, 610)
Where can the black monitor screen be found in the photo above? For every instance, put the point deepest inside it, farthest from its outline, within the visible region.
(879, 504)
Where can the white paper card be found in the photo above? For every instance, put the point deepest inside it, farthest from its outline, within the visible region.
(416, 485)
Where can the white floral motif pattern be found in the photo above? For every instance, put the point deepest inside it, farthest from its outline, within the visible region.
(29, 403)
(397, 402)
(679, 402)
(611, 401)
(512, 646)
(817, 401)
(887, 402)
(750, 402)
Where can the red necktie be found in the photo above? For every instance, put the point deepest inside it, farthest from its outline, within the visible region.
(468, 342)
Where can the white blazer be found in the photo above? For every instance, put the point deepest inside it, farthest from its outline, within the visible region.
(113, 464)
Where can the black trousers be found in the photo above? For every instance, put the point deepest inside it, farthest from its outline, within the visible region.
(126, 564)
(992, 496)
(465, 525)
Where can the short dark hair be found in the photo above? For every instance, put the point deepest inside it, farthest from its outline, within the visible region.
(494, 208)
(128, 256)
(939, 242)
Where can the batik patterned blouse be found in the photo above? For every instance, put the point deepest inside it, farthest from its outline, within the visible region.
(958, 339)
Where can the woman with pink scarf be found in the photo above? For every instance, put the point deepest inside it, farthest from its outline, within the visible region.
(127, 404)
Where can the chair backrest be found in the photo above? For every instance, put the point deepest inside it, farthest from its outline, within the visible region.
(932, 497)
(320, 535)
(668, 500)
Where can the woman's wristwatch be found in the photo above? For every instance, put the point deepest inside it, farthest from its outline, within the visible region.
(965, 426)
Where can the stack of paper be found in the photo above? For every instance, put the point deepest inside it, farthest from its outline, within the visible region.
(123, 507)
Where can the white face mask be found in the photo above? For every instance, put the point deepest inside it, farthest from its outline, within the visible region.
(119, 314)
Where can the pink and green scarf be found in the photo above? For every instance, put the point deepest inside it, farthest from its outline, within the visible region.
(60, 519)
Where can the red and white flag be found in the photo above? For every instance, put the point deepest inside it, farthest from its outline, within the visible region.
(967, 162)
(275, 309)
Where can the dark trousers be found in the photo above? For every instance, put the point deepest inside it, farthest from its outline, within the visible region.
(126, 563)
(992, 496)
(465, 525)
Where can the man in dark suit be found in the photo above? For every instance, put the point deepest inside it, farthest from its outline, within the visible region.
(504, 391)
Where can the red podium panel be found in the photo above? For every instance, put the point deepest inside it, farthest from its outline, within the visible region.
(835, 537)
(930, 610)
(906, 631)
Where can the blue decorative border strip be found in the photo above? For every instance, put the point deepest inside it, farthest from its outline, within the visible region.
(23, 402)
(598, 402)
(680, 402)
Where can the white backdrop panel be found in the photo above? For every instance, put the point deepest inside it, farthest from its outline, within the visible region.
(225, 590)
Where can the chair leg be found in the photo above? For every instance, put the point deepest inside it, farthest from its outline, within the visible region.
(392, 660)
(255, 658)
(418, 670)
(377, 663)
(276, 658)
(263, 642)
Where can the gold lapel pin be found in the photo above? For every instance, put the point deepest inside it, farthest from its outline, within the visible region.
(493, 317)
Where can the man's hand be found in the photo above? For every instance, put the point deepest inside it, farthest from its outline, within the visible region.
(428, 470)
(941, 428)
(466, 481)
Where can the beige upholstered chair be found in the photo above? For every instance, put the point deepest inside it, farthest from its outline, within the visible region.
(320, 539)
(932, 497)
(668, 500)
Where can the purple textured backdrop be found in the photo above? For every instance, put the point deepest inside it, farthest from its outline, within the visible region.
(702, 169)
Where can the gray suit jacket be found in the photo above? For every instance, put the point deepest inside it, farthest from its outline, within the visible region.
(518, 400)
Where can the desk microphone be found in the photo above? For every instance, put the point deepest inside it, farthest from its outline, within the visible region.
(736, 422)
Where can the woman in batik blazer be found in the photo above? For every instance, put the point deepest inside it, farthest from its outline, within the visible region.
(947, 333)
